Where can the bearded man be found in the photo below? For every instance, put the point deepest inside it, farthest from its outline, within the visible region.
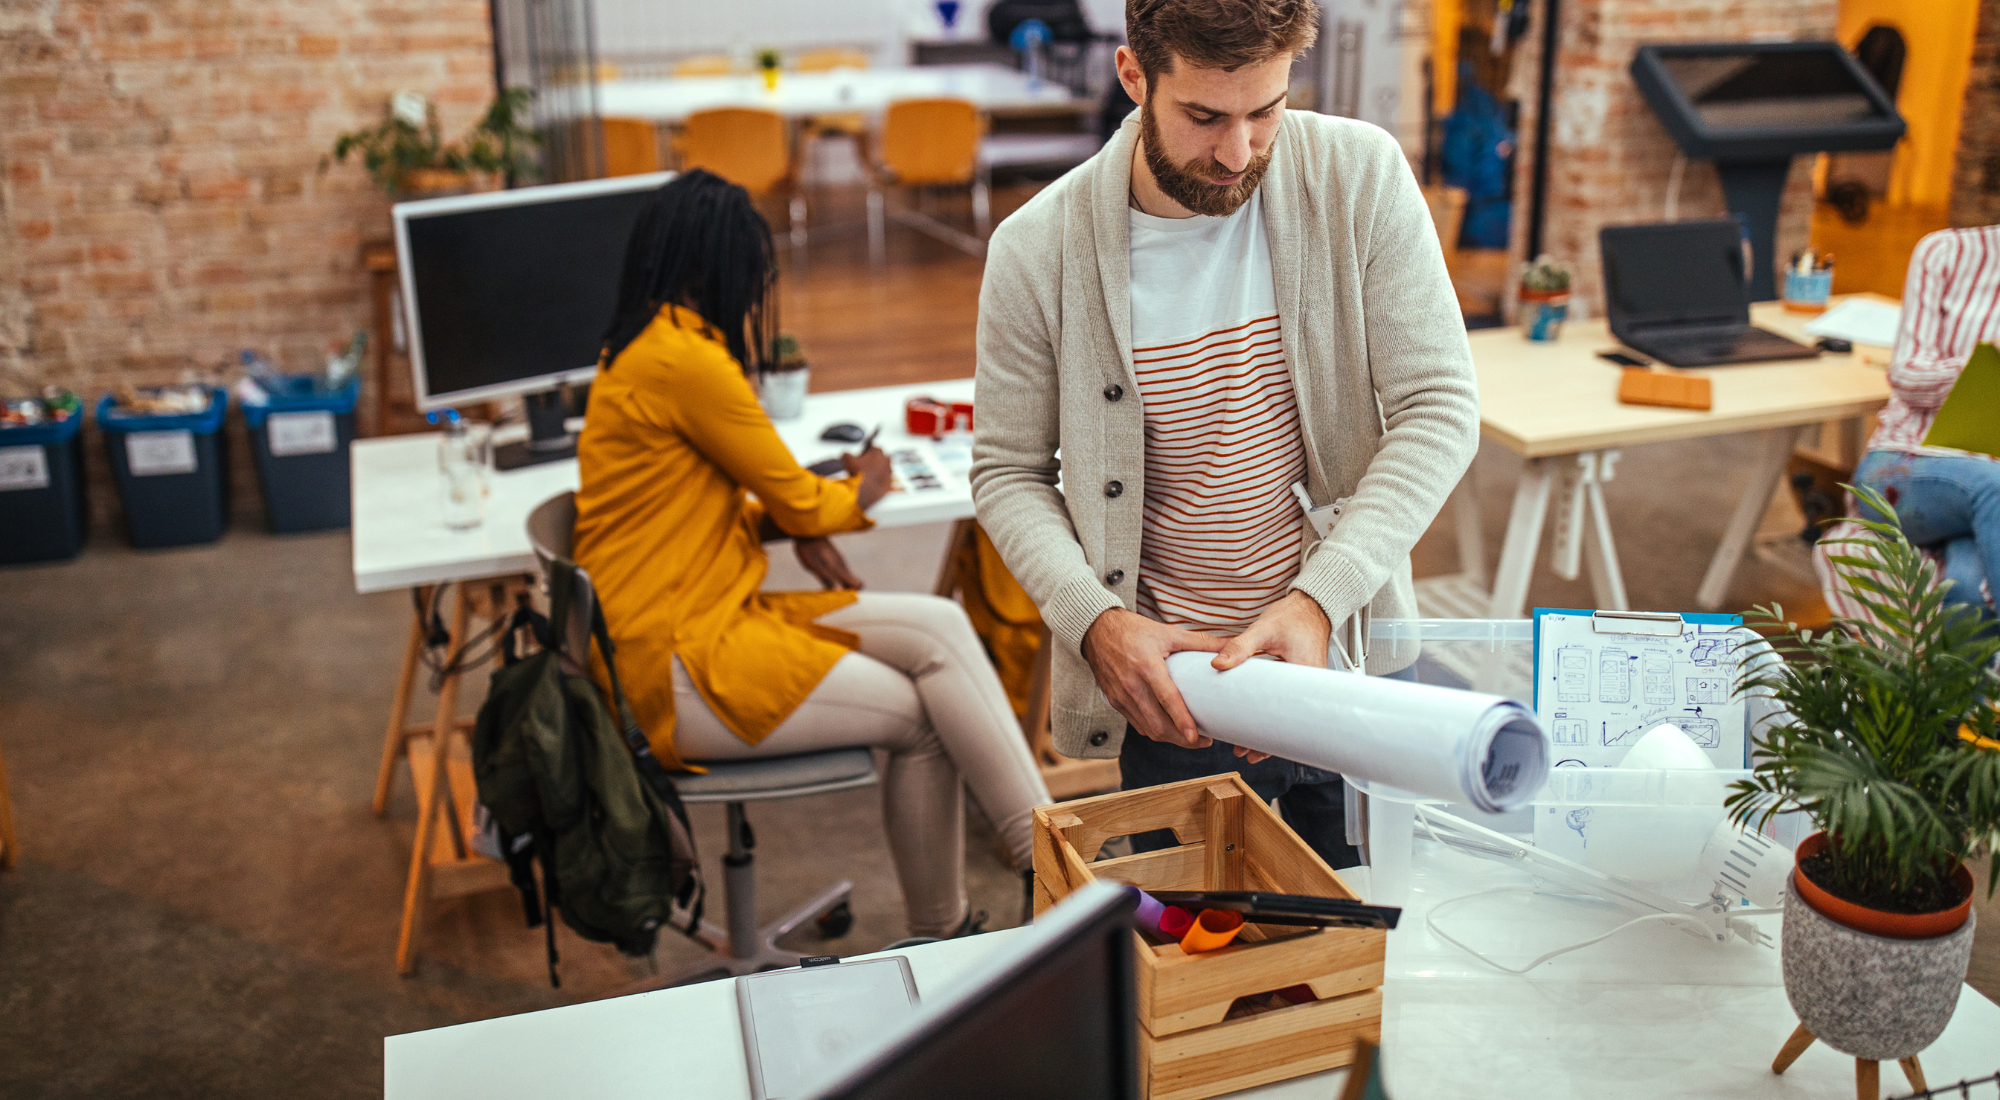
(1230, 307)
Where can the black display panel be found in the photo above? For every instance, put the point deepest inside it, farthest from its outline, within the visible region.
(1673, 273)
(1743, 100)
(506, 297)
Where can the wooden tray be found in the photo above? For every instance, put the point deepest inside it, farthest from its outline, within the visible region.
(1191, 1045)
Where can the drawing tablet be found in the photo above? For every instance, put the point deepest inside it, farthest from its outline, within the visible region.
(798, 1024)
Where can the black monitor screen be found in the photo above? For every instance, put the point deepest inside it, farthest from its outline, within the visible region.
(1064, 1027)
(507, 294)
(1677, 271)
(1757, 90)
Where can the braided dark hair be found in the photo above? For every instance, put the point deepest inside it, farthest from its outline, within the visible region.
(700, 244)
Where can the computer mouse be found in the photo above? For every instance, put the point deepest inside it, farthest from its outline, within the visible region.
(843, 433)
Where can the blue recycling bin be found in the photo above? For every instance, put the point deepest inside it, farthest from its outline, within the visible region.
(172, 472)
(44, 510)
(301, 439)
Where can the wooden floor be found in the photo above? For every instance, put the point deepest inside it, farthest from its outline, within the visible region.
(912, 321)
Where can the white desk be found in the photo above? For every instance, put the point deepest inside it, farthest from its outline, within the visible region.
(991, 88)
(400, 540)
(1650, 1013)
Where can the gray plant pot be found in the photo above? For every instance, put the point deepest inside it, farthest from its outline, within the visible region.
(1870, 996)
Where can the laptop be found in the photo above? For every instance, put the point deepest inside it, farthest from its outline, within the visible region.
(1677, 292)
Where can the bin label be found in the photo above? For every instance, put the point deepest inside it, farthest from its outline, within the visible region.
(301, 433)
(23, 468)
(151, 454)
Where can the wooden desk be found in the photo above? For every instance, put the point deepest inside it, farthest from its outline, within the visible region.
(1555, 404)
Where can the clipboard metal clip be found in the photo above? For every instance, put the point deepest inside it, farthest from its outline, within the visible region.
(1662, 624)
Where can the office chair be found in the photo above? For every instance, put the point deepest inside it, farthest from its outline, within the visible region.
(631, 146)
(746, 146)
(928, 143)
(745, 947)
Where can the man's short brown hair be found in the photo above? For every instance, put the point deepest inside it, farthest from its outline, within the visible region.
(1217, 34)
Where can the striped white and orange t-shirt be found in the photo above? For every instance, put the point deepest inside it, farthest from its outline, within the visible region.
(1222, 531)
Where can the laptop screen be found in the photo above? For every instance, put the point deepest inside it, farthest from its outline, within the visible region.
(1674, 272)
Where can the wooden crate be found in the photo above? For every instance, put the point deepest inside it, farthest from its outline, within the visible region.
(1229, 840)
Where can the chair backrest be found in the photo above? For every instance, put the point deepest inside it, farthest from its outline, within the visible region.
(708, 64)
(832, 57)
(551, 533)
(743, 145)
(631, 147)
(930, 141)
(1447, 214)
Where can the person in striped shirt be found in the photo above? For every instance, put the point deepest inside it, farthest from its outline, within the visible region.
(1946, 499)
(1267, 289)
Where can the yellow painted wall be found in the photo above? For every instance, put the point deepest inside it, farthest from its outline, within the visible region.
(1938, 37)
(1446, 15)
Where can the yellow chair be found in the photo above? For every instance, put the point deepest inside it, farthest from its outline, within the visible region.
(631, 147)
(928, 144)
(824, 60)
(710, 64)
(746, 146)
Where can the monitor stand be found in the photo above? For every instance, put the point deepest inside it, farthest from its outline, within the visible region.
(1755, 189)
(547, 441)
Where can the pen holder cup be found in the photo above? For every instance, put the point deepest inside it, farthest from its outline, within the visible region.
(1808, 291)
(1211, 1023)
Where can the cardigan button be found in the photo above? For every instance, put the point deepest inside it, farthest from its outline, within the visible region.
(1114, 489)
(1112, 578)
(1113, 392)
(1099, 737)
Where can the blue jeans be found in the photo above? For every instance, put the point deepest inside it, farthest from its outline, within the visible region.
(1943, 502)
(1311, 800)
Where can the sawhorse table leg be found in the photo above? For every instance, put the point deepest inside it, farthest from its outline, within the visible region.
(1774, 454)
(1583, 532)
(441, 862)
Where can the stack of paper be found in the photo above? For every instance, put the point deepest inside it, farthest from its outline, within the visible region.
(1859, 321)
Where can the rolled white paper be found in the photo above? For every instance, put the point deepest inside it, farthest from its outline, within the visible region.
(1461, 746)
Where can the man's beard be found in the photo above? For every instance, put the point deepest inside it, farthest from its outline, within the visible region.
(1188, 184)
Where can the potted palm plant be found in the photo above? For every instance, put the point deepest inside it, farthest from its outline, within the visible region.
(407, 156)
(1888, 745)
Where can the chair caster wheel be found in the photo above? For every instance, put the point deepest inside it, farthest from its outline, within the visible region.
(836, 922)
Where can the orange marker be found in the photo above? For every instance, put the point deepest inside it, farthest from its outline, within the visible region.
(1212, 930)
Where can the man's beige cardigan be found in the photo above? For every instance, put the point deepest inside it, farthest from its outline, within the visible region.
(1379, 362)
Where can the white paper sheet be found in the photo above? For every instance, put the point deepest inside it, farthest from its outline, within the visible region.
(1461, 746)
(1859, 320)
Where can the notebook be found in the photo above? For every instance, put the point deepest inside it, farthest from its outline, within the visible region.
(1969, 419)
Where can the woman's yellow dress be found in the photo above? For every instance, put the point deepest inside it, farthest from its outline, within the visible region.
(674, 445)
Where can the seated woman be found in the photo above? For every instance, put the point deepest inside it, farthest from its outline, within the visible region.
(1947, 499)
(684, 478)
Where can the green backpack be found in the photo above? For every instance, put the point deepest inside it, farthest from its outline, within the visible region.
(582, 795)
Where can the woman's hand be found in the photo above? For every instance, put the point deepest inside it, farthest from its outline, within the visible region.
(872, 467)
(823, 560)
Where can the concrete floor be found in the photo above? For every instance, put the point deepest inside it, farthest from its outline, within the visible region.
(205, 906)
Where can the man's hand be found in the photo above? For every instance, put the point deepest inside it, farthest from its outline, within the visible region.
(1294, 630)
(1128, 655)
(823, 560)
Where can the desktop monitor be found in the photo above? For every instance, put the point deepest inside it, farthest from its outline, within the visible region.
(1739, 100)
(510, 292)
(1052, 1014)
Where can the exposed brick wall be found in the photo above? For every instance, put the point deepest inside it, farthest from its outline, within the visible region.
(1610, 158)
(1975, 192)
(160, 199)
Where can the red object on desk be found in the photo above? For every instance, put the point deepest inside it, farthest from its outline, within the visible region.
(961, 416)
(925, 416)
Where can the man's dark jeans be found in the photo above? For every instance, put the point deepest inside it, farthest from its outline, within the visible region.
(1311, 801)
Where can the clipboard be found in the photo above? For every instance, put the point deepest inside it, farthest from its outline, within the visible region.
(800, 1024)
(1969, 419)
(1603, 678)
